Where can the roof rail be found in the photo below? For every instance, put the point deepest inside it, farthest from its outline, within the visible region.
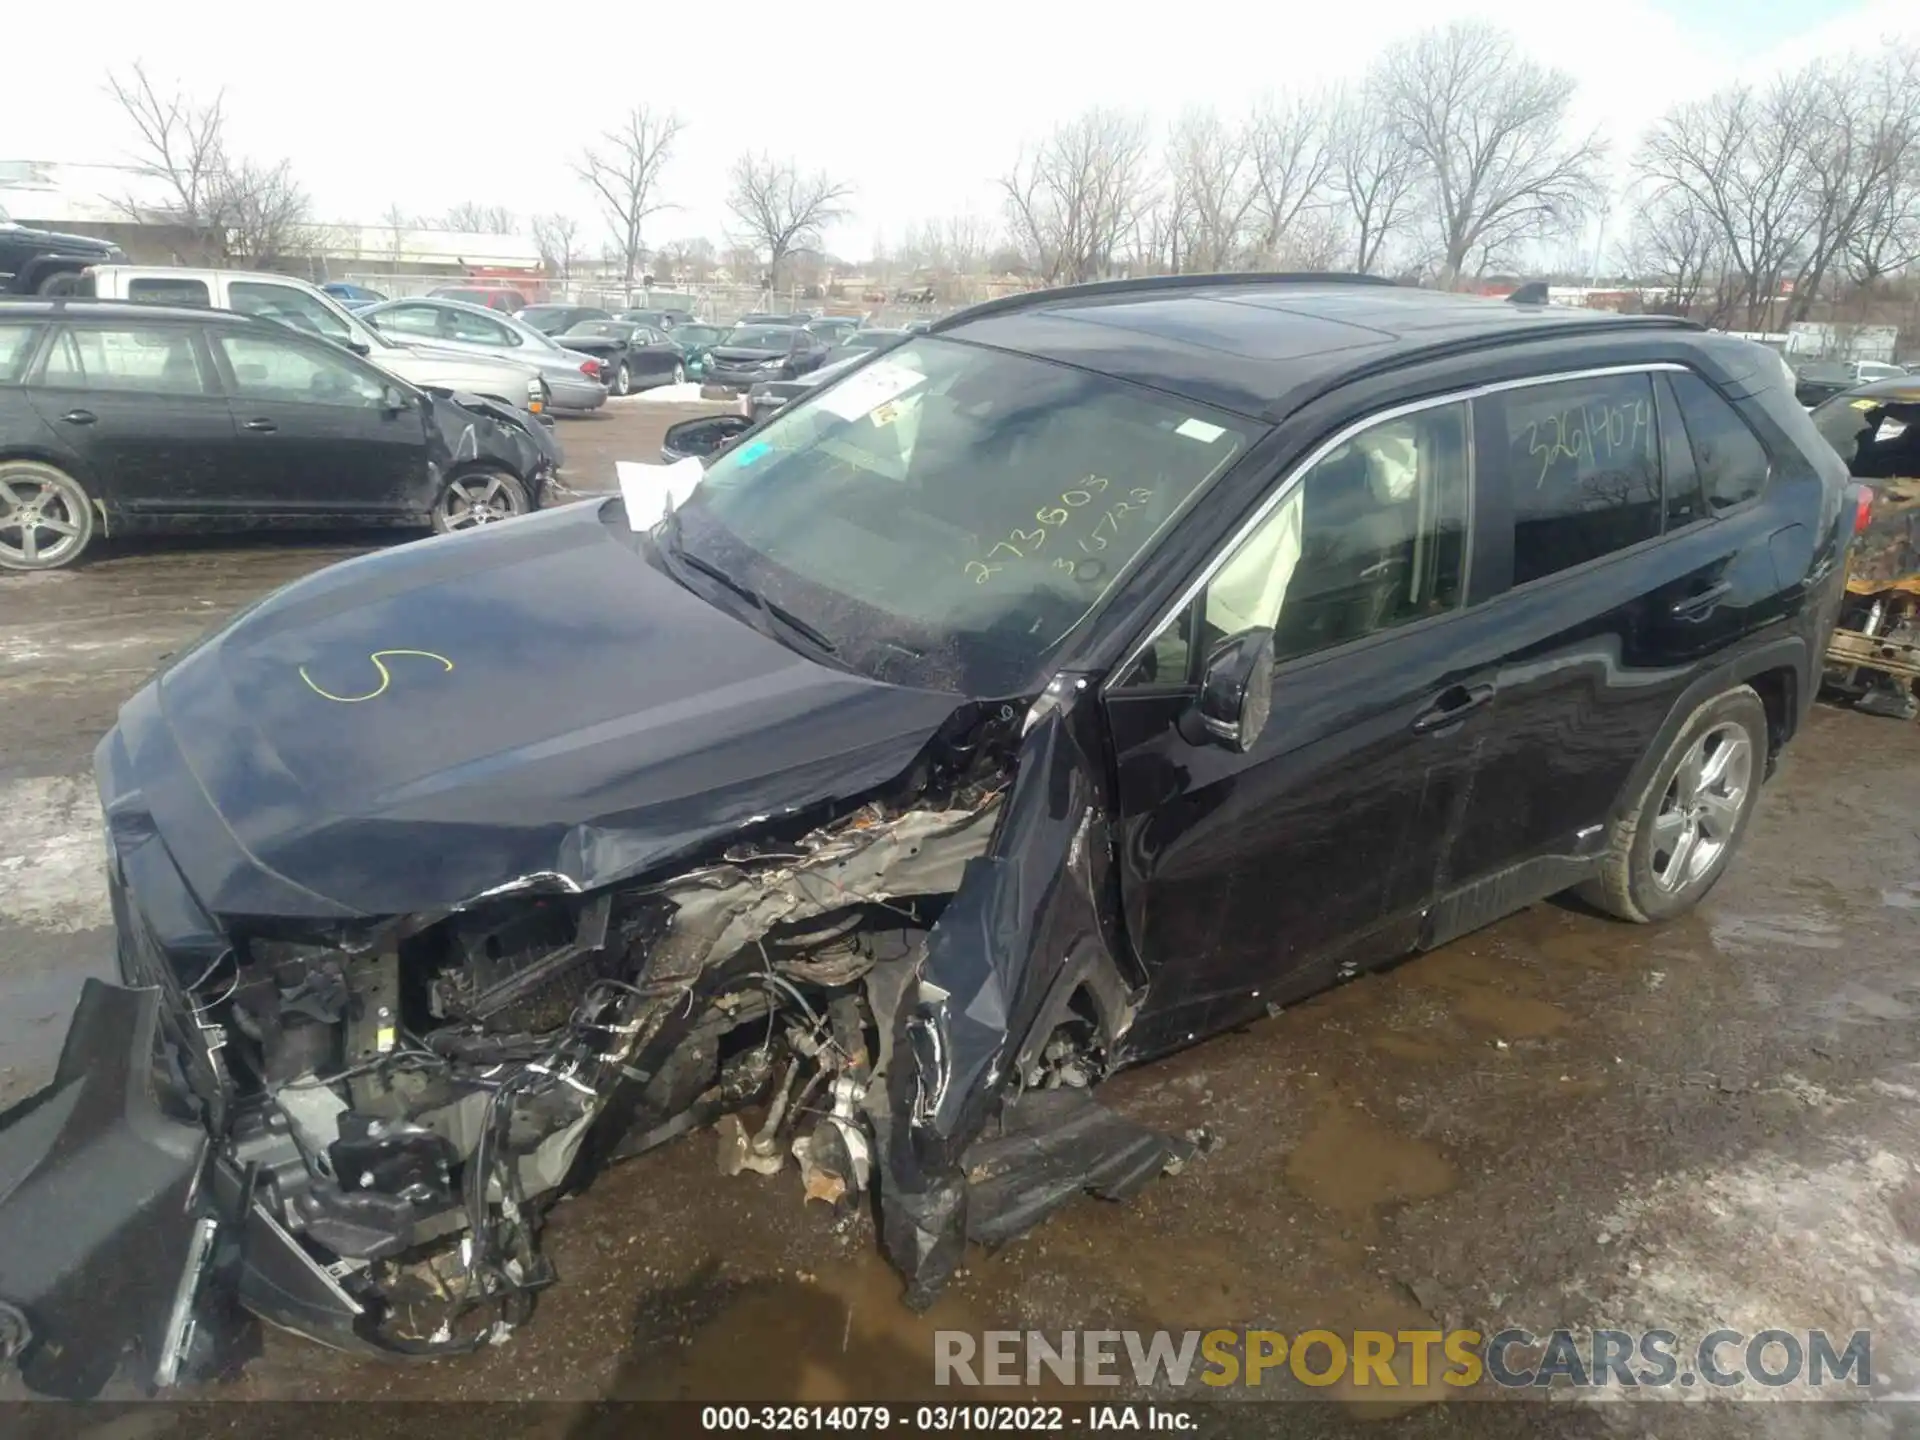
(1148, 284)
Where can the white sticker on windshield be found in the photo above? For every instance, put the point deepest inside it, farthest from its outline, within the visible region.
(867, 389)
(1199, 430)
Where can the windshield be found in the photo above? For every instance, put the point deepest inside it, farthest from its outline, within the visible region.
(697, 334)
(761, 337)
(947, 514)
(545, 314)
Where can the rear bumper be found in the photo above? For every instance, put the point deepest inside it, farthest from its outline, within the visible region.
(579, 393)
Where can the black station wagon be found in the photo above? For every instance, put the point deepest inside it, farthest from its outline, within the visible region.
(1073, 680)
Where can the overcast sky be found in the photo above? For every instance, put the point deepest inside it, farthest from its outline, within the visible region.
(920, 107)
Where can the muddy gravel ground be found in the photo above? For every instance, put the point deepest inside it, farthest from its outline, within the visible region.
(1558, 1121)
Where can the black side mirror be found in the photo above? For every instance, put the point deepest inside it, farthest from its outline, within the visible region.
(1236, 693)
(359, 347)
(708, 435)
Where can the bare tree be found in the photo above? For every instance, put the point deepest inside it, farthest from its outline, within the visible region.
(624, 170)
(557, 237)
(269, 222)
(1862, 148)
(1675, 242)
(1488, 126)
(230, 209)
(781, 210)
(1075, 202)
(181, 150)
(470, 217)
(1376, 173)
(1739, 157)
(1292, 157)
(691, 261)
(396, 224)
(1212, 188)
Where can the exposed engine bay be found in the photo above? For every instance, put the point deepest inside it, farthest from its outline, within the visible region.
(425, 1082)
(405, 1098)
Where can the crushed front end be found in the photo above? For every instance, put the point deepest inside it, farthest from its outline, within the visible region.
(383, 1108)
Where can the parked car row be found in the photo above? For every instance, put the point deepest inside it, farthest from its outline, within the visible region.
(120, 418)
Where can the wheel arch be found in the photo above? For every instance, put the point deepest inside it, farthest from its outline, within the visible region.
(1777, 671)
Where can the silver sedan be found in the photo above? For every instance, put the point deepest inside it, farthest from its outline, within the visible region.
(574, 381)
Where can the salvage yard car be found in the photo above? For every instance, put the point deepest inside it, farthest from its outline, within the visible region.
(46, 262)
(305, 308)
(573, 381)
(752, 353)
(632, 357)
(1874, 659)
(120, 419)
(1083, 677)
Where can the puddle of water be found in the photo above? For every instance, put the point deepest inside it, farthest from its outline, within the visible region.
(1405, 1047)
(836, 1336)
(1855, 1001)
(1352, 1165)
(1760, 932)
(1483, 990)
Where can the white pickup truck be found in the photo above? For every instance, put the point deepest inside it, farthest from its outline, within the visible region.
(304, 307)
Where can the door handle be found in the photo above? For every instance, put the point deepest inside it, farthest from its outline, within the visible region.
(79, 417)
(1450, 707)
(259, 427)
(1698, 607)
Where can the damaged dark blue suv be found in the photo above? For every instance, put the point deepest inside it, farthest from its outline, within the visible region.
(1084, 676)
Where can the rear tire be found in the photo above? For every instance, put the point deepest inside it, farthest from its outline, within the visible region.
(1677, 840)
(474, 498)
(622, 379)
(46, 518)
(61, 282)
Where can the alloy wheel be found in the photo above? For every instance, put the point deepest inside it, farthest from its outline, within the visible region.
(1701, 808)
(42, 520)
(622, 379)
(679, 374)
(475, 500)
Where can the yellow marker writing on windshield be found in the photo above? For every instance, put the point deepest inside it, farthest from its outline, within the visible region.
(386, 676)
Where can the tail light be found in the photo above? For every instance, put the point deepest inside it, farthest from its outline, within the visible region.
(1862, 508)
(590, 369)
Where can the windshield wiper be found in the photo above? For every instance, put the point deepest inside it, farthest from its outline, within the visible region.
(773, 612)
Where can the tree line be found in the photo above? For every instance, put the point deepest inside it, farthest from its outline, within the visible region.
(1453, 157)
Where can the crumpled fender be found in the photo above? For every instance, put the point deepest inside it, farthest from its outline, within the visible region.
(1024, 927)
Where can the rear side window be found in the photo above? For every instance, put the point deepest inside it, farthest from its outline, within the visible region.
(16, 343)
(1583, 470)
(1732, 463)
(156, 361)
(165, 290)
(478, 329)
(293, 308)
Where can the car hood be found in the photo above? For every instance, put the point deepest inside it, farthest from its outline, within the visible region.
(62, 242)
(527, 704)
(741, 352)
